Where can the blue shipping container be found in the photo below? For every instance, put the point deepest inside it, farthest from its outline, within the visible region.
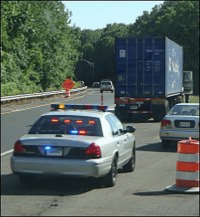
(148, 67)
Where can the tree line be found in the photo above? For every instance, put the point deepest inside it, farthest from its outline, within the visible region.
(39, 47)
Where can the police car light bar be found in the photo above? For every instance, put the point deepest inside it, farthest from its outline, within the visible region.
(79, 106)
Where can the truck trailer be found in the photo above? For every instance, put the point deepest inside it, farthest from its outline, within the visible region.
(149, 77)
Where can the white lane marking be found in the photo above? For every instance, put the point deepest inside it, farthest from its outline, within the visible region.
(6, 152)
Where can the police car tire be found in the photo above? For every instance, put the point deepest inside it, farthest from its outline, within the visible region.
(111, 178)
(130, 166)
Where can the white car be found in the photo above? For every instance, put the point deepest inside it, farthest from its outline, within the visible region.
(180, 123)
(75, 140)
(106, 85)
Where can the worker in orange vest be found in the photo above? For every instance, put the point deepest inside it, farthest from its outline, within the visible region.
(68, 84)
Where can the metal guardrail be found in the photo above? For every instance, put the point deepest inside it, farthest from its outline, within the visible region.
(6, 99)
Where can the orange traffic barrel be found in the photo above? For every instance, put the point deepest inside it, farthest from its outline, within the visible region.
(187, 167)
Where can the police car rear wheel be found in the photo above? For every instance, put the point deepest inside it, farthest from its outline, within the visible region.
(111, 178)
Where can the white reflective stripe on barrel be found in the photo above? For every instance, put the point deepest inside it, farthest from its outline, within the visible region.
(188, 157)
(187, 175)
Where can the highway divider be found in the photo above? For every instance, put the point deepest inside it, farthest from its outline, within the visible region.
(8, 99)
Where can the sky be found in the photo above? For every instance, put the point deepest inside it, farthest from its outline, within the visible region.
(97, 14)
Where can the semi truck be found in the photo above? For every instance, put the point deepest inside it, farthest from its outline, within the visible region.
(149, 77)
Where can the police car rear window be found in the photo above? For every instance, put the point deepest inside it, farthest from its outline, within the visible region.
(66, 124)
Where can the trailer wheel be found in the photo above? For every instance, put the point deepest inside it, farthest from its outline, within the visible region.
(158, 117)
(159, 111)
(140, 117)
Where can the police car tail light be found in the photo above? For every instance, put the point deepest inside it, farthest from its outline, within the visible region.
(93, 151)
(18, 147)
(166, 123)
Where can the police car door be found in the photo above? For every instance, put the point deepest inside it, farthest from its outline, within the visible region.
(120, 137)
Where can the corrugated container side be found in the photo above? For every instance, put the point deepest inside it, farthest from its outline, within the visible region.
(145, 64)
(140, 67)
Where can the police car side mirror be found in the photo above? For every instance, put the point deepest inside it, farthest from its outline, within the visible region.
(130, 129)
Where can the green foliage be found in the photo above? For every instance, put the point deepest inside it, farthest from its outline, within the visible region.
(194, 99)
(98, 47)
(39, 48)
(77, 84)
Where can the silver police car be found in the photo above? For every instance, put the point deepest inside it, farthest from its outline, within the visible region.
(75, 140)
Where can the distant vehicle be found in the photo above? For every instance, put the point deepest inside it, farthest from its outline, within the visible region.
(180, 123)
(75, 140)
(106, 85)
(82, 83)
(149, 77)
(96, 84)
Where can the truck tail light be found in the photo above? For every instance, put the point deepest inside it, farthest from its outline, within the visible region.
(93, 151)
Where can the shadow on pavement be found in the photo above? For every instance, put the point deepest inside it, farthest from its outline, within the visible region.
(60, 186)
(157, 147)
(155, 193)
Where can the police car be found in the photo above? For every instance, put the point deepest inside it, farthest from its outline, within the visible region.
(75, 140)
